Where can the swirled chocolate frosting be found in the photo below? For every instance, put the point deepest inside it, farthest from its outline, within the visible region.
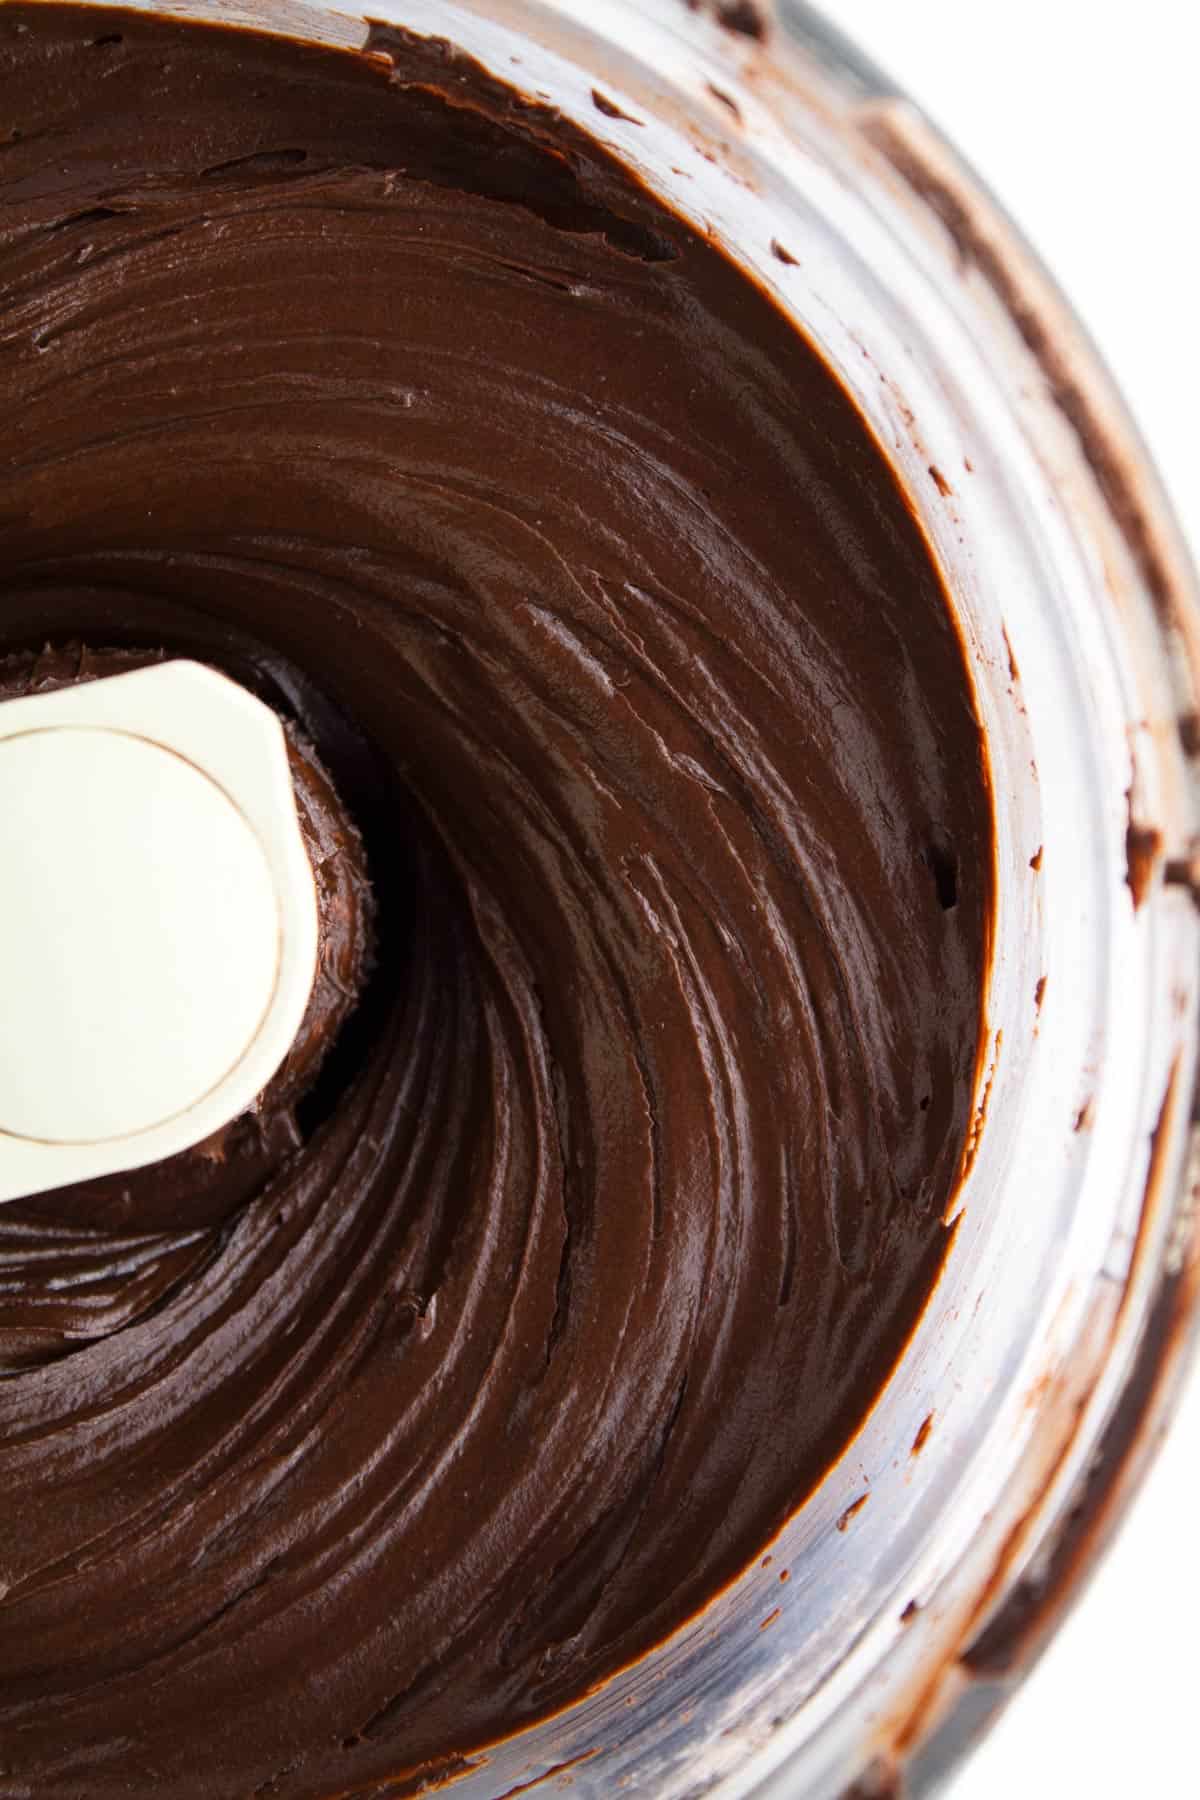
(483, 1352)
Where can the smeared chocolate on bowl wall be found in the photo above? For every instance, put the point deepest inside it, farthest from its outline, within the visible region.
(490, 1356)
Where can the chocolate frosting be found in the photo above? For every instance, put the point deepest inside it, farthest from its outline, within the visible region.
(613, 1205)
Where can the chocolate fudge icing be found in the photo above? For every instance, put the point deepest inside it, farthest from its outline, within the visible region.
(464, 1377)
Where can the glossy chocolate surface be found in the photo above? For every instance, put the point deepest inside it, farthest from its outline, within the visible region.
(619, 1193)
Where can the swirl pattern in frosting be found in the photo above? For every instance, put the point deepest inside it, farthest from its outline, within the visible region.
(437, 1393)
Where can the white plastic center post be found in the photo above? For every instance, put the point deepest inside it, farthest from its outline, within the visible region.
(158, 920)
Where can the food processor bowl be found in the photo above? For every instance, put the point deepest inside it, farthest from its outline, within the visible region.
(871, 1640)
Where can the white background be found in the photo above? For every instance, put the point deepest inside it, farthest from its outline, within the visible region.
(1084, 117)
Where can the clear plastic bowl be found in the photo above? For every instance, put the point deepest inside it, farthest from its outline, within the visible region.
(1050, 1355)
